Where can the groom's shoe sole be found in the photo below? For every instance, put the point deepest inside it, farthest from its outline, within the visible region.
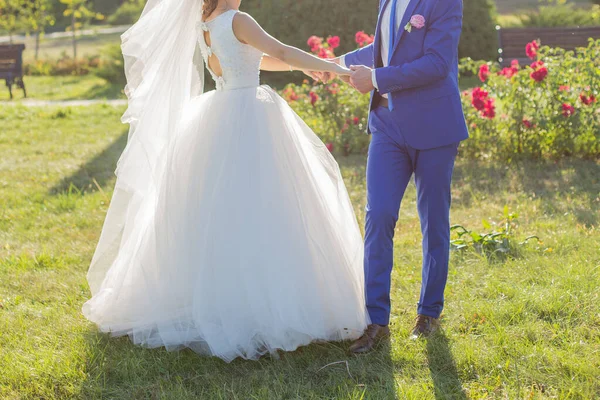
(373, 336)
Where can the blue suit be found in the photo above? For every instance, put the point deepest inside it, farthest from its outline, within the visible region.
(418, 133)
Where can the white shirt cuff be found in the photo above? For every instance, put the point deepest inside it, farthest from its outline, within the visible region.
(343, 61)
(374, 79)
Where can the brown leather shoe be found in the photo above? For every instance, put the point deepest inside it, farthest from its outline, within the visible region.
(424, 326)
(372, 336)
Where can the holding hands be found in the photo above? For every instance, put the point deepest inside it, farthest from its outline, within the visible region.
(359, 77)
(362, 78)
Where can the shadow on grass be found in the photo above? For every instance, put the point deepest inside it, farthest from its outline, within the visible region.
(548, 181)
(108, 91)
(446, 382)
(99, 169)
(118, 369)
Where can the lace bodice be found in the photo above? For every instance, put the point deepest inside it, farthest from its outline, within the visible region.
(240, 62)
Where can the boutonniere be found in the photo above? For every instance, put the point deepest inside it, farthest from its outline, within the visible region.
(416, 21)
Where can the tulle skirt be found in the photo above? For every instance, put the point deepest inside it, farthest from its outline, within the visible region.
(248, 245)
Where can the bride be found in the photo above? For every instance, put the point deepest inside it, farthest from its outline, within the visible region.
(230, 230)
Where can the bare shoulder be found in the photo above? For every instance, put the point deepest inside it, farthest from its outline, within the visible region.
(245, 28)
(242, 19)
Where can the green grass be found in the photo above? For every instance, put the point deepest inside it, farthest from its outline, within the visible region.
(54, 48)
(90, 87)
(58, 88)
(527, 327)
(512, 6)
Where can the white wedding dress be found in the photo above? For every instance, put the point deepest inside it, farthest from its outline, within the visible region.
(249, 244)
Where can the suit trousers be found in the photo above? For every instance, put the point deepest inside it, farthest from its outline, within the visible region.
(391, 164)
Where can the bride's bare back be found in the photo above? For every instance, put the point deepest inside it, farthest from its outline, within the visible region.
(226, 30)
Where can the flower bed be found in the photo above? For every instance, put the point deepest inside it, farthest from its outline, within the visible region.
(547, 109)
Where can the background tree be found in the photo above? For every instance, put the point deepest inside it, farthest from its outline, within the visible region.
(37, 15)
(479, 38)
(11, 16)
(80, 13)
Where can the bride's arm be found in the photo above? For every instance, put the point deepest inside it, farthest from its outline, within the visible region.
(248, 31)
(272, 64)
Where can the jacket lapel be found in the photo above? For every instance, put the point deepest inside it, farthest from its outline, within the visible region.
(377, 43)
(407, 16)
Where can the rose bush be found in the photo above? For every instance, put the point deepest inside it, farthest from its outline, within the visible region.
(546, 109)
(335, 111)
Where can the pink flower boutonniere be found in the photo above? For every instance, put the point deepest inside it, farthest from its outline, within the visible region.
(416, 21)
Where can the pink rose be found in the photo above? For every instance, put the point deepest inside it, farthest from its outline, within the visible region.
(323, 53)
(334, 42)
(314, 42)
(417, 21)
(362, 39)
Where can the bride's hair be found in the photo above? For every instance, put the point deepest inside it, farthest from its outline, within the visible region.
(209, 7)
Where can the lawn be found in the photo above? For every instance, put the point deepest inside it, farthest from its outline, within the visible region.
(90, 87)
(527, 326)
(512, 6)
(54, 48)
(61, 88)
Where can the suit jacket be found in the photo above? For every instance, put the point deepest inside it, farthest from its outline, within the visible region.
(422, 78)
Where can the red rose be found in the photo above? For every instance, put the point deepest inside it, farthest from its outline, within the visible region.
(564, 88)
(329, 147)
(356, 120)
(313, 98)
(334, 42)
(362, 39)
(537, 64)
(508, 72)
(314, 42)
(539, 71)
(489, 110)
(568, 110)
(484, 72)
(478, 98)
(540, 74)
(587, 100)
(511, 71)
(323, 53)
(531, 49)
(528, 124)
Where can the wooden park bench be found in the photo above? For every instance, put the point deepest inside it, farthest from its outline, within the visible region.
(512, 41)
(11, 66)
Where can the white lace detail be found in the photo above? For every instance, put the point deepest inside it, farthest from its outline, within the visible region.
(239, 62)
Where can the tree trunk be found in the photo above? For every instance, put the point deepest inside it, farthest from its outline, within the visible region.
(37, 44)
(74, 37)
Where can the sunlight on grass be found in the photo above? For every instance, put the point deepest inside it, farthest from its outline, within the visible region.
(55, 48)
(524, 327)
(57, 88)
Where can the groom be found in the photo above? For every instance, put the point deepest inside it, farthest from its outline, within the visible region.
(416, 121)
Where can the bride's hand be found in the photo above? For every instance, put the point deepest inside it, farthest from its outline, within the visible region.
(342, 71)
